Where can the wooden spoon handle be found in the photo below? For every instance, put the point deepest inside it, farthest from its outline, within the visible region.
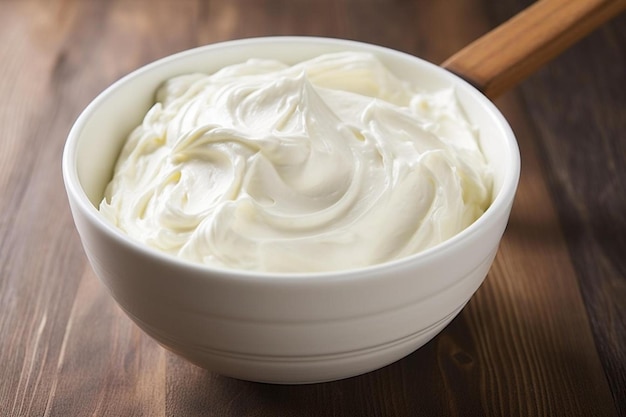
(505, 56)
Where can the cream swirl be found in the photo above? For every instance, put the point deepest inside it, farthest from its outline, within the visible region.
(329, 164)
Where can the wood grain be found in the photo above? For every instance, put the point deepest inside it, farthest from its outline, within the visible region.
(588, 182)
(543, 336)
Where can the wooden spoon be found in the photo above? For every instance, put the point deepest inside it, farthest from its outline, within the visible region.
(505, 56)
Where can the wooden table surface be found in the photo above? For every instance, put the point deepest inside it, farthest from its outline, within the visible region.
(545, 335)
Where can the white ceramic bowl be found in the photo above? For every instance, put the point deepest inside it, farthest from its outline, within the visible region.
(281, 328)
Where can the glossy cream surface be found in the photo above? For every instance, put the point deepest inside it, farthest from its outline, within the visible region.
(329, 164)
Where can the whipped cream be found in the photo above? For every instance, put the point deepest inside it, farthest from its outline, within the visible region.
(329, 164)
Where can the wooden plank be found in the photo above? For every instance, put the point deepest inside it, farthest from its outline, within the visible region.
(532, 305)
(582, 141)
(57, 56)
(106, 365)
(40, 258)
(580, 131)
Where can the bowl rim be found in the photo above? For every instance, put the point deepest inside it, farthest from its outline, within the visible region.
(501, 203)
